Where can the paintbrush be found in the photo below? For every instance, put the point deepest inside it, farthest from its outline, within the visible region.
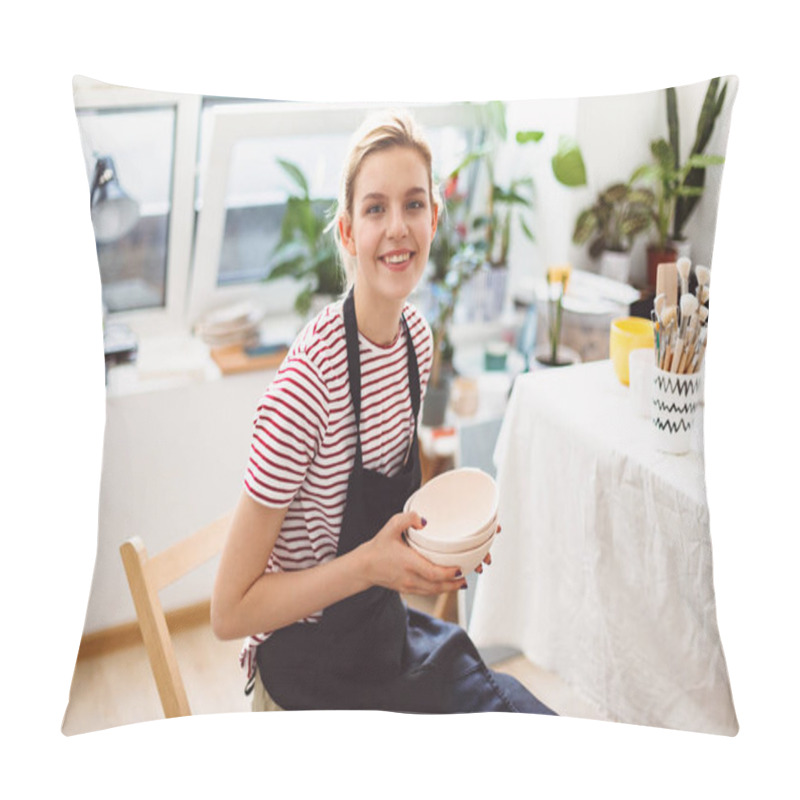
(671, 326)
(683, 265)
(654, 320)
(697, 361)
(692, 341)
(689, 305)
(703, 275)
(658, 305)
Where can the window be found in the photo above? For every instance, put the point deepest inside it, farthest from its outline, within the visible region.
(210, 195)
(138, 144)
(245, 191)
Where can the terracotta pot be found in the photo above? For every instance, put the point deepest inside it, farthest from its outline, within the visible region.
(655, 256)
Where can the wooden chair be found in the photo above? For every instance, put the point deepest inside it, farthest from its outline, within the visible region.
(147, 576)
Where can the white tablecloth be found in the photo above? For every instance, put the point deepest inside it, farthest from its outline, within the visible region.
(603, 570)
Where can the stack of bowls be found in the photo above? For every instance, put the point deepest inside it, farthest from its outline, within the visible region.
(460, 508)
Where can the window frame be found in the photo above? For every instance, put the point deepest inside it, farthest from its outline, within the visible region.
(233, 123)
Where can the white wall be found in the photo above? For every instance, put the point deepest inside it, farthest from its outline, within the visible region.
(553, 217)
(173, 461)
(614, 134)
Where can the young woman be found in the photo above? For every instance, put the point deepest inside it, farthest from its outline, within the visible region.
(315, 560)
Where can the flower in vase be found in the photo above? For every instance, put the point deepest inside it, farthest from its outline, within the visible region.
(557, 281)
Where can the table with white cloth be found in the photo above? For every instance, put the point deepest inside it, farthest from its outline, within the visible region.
(602, 573)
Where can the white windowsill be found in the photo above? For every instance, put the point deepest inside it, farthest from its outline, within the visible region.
(167, 361)
(171, 361)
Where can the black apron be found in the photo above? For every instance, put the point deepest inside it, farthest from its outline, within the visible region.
(370, 651)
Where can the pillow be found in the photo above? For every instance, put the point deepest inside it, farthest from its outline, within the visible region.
(187, 200)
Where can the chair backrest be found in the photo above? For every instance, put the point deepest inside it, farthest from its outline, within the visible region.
(147, 576)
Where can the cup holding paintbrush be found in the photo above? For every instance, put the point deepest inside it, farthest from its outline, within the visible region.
(680, 320)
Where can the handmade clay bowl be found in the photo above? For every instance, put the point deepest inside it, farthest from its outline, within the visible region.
(460, 507)
(466, 560)
(454, 545)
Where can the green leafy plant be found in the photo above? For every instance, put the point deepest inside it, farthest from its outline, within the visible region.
(466, 240)
(620, 213)
(491, 226)
(306, 250)
(695, 178)
(679, 187)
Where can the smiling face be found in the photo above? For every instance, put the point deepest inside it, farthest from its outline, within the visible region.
(391, 224)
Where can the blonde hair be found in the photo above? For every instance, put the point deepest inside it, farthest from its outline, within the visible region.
(378, 132)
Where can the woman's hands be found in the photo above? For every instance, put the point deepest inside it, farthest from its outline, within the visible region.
(390, 562)
(247, 600)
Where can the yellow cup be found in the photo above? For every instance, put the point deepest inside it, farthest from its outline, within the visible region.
(628, 333)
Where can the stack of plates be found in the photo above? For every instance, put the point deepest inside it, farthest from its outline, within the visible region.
(460, 508)
(233, 325)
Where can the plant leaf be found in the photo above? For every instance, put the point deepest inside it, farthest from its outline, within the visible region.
(646, 172)
(526, 230)
(472, 156)
(567, 163)
(296, 174)
(585, 226)
(529, 136)
(641, 196)
(699, 160)
(616, 193)
(509, 196)
(674, 128)
(663, 155)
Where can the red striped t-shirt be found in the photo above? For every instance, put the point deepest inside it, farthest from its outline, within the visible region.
(304, 437)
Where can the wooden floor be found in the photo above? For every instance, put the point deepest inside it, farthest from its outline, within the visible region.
(117, 688)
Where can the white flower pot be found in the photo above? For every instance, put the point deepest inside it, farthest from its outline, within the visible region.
(616, 266)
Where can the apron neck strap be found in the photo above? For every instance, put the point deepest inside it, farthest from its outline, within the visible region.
(354, 362)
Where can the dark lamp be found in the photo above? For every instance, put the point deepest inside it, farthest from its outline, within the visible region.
(114, 213)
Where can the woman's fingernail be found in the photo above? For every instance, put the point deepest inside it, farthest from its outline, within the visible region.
(463, 585)
(424, 522)
(458, 574)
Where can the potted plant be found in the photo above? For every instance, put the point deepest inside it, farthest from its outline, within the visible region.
(686, 201)
(620, 213)
(305, 250)
(675, 189)
(489, 226)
